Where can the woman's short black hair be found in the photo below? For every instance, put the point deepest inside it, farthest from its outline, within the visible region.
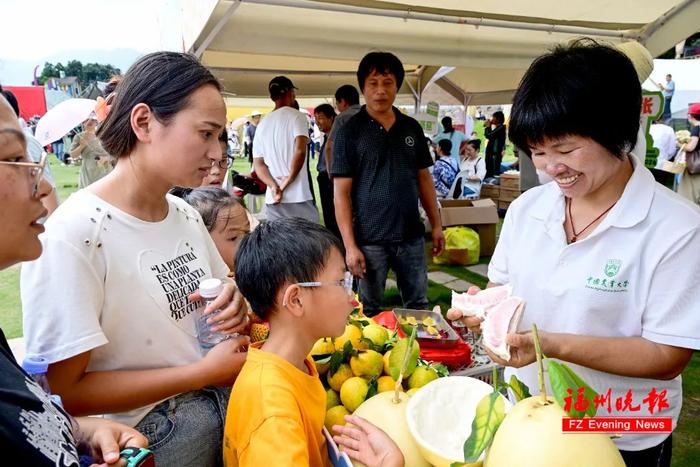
(325, 109)
(564, 93)
(278, 252)
(384, 63)
(475, 143)
(162, 80)
(207, 200)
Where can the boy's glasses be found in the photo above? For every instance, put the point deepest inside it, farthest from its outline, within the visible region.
(345, 282)
(36, 171)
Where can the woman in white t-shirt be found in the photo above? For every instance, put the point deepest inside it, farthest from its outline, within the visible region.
(471, 162)
(112, 301)
(603, 256)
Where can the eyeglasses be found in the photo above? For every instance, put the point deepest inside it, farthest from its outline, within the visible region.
(345, 282)
(223, 163)
(36, 171)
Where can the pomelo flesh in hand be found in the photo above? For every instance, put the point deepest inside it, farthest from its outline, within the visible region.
(500, 320)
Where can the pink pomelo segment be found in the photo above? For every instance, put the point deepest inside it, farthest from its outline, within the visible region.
(479, 304)
(500, 320)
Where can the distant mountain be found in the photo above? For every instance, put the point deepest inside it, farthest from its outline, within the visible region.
(21, 72)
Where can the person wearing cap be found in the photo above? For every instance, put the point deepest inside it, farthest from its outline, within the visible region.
(279, 156)
(96, 163)
(249, 133)
(689, 187)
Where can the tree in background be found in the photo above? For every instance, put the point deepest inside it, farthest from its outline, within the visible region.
(87, 73)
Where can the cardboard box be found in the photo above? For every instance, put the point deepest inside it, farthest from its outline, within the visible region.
(503, 204)
(510, 181)
(490, 191)
(508, 195)
(480, 214)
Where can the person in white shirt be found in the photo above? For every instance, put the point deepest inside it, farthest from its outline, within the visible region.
(471, 162)
(603, 256)
(664, 139)
(118, 328)
(279, 156)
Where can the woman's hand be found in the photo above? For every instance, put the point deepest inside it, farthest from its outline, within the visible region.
(223, 362)
(367, 444)
(471, 322)
(522, 349)
(233, 316)
(106, 439)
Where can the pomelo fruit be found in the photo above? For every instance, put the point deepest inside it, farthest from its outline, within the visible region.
(332, 399)
(376, 333)
(354, 392)
(368, 364)
(386, 383)
(352, 334)
(531, 436)
(381, 411)
(387, 368)
(336, 380)
(335, 416)
(421, 376)
(322, 347)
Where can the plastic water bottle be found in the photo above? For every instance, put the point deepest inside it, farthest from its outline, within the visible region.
(209, 289)
(36, 368)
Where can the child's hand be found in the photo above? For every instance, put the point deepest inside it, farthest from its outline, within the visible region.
(367, 444)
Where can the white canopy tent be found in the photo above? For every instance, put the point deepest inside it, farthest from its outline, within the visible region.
(318, 43)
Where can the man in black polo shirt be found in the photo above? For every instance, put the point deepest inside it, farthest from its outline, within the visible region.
(380, 169)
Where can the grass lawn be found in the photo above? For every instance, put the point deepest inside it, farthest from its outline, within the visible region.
(686, 438)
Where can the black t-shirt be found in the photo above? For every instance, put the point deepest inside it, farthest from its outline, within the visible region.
(384, 167)
(33, 431)
(695, 131)
(496, 139)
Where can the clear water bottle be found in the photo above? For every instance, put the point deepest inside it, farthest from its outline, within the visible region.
(209, 289)
(36, 368)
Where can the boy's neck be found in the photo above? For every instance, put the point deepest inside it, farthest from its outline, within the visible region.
(293, 348)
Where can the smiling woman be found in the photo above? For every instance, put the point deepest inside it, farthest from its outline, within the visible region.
(603, 255)
(126, 344)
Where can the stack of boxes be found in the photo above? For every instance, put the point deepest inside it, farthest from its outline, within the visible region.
(510, 189)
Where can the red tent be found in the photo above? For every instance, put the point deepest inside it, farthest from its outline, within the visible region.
(32, 100)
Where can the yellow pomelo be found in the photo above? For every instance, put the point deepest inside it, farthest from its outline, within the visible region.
(387, 369)
(381, 411)
(440, 414)
(411, 392)
(386, 383)
(376, 333)
(353, 392)
(332, 398)
(336, 380)
(422, 376)
(322, 347)
(531, 436)
(368, 364)
(335, 416)
(353, 334)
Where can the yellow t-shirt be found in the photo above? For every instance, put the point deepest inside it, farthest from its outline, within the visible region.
(275, 415)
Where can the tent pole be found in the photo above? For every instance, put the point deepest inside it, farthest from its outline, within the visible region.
(215, 31)
(486, 22)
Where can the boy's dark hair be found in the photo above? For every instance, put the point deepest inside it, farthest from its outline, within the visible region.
(348, 93)
(281, 251)
(325, 109)
(560, 95)
(445, 146)
(223, 137)
(207, 200)
(162, 80)
(384, 63)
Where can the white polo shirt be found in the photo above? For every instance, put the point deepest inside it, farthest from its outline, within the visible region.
(637, 274)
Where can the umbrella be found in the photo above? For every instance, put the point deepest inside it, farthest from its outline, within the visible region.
(62, 118)
(236, 124)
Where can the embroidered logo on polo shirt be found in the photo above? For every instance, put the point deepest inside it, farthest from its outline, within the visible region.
(410, 141)
(609, 283)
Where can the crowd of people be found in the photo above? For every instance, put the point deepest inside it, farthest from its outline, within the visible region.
(119, 330)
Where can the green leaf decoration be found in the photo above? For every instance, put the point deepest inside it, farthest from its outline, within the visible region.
(561, 378)
(441, 369)
(373, 388)
(360, 323)
(490, 412)
(397, 355)
(326, 358)
(520, 389)
(336, 360)
(348, 351)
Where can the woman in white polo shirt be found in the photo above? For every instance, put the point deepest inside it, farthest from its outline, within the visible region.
(605, 257)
